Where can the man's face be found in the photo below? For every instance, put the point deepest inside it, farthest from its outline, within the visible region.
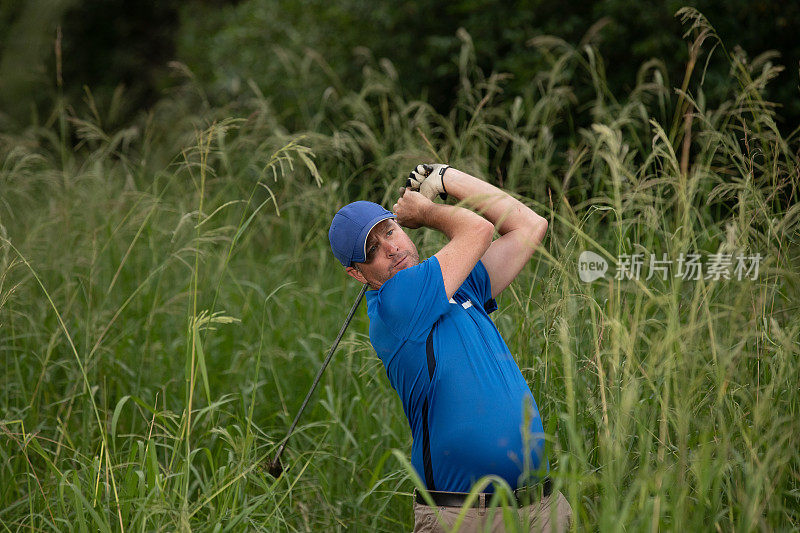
(389, 250)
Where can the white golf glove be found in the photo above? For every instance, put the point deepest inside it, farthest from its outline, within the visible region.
(428, 180)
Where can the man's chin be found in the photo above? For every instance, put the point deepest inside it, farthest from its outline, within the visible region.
(406, 262)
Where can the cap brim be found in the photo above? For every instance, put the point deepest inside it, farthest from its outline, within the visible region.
(361, 243)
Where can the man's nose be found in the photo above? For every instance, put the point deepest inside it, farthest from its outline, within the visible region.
(390, 247)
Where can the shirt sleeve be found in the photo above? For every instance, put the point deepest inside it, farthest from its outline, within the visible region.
(412, 301)
(479, 287)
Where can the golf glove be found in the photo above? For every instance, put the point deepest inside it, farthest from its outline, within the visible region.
(428, 180)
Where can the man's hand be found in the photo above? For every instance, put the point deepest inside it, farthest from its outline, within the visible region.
(410, 209)
(428, 180)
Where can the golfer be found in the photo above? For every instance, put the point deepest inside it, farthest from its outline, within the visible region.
(470, 410)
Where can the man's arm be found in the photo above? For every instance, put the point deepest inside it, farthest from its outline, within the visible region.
(521, 229)
(469, 234)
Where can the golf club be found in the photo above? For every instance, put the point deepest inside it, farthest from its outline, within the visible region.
(275, 466)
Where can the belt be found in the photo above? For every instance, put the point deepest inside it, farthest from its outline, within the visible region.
(523, 496)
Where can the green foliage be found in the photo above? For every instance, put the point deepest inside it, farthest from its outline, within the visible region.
(111, 45)
(167, 293)
(255, 39)
(27, 63)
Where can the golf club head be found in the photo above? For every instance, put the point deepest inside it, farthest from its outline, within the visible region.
(275, 468)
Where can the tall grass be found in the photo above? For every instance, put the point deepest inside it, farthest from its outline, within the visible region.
(167, 294)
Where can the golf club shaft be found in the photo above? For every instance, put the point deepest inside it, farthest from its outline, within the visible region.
(321, 370)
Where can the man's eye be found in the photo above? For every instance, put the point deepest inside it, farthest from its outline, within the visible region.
(390, 232)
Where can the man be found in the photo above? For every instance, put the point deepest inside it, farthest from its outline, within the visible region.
(464, 396)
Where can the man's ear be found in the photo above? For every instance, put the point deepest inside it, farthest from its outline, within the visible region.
(356, 274)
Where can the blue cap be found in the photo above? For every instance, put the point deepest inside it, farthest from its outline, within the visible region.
(350, 228)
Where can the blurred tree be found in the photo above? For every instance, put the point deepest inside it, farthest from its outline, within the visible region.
(228, 46)
(27, 70)
(108, 43)
(225, 43)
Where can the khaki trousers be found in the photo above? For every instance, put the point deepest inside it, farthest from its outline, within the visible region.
(551, 514)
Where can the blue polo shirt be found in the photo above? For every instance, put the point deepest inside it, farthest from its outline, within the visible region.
(462, 392)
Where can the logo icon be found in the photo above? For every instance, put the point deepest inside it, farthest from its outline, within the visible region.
(591, 266)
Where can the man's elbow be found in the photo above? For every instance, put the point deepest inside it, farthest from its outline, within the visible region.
(537, 228)
(483, 233)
